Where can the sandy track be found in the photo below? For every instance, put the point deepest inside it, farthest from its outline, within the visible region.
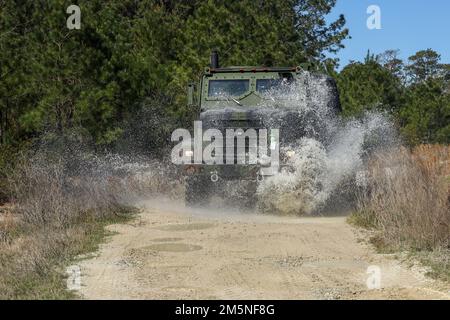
(170, 253)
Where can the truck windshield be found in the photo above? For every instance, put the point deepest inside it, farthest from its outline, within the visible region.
(227, 88)
(265, 85)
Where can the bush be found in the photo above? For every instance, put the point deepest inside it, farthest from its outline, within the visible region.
(59, 207)
(63, 194)
(408, 198)
(7, 158)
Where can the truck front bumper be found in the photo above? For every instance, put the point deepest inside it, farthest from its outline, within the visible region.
(230, 172)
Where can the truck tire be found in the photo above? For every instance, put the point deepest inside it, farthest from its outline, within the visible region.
(197, 191)
(242, 194)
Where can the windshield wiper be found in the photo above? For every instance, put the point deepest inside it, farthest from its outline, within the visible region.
(234, 100)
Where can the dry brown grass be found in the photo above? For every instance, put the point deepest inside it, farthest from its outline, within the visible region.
(61, 206)
(408, 197)
(33, 262)
(7, 223)
(49, 194)
(407, 202)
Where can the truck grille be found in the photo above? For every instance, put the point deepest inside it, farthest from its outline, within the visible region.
(246, 154)
(239, 156)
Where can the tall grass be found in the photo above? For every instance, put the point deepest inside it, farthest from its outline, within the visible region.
(56, 214)
(407, 198)
(61, 200)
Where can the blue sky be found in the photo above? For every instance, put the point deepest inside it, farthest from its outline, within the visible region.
(407, 25)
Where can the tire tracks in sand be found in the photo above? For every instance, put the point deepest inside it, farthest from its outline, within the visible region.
(175, 253)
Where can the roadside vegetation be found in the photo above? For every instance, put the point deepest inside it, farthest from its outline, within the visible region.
(62, 193)
(59, 204)
(407, 204)
(34, 258)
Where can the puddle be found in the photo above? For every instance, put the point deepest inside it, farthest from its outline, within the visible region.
(173, 247)
(167, 239)
(186, 227)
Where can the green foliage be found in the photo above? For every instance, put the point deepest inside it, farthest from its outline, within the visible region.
(423, 66)
(99, 78)
(416, 94)
(6, 156)
(425, 115)
(55, 79)
(368, 86)
(9, 155)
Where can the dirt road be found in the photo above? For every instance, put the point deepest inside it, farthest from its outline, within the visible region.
(171, 253)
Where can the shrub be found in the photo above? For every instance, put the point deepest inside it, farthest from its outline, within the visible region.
(408, 198)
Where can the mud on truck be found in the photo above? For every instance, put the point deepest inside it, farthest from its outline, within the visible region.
(240, 99)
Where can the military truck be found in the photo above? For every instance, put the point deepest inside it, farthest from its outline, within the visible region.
(241, 97)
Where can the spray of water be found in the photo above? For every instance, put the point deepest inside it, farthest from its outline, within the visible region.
(323, 164)
(62, 178)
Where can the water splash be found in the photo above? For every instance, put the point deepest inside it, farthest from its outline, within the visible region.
(324, 161)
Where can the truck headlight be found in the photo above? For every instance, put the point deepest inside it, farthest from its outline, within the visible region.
(188, 153)
(264, 160)
(290, 153)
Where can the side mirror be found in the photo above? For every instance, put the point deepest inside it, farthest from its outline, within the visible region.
(190, 94)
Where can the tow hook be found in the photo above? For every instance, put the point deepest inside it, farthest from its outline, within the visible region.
(259, 177)
(214, 176)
